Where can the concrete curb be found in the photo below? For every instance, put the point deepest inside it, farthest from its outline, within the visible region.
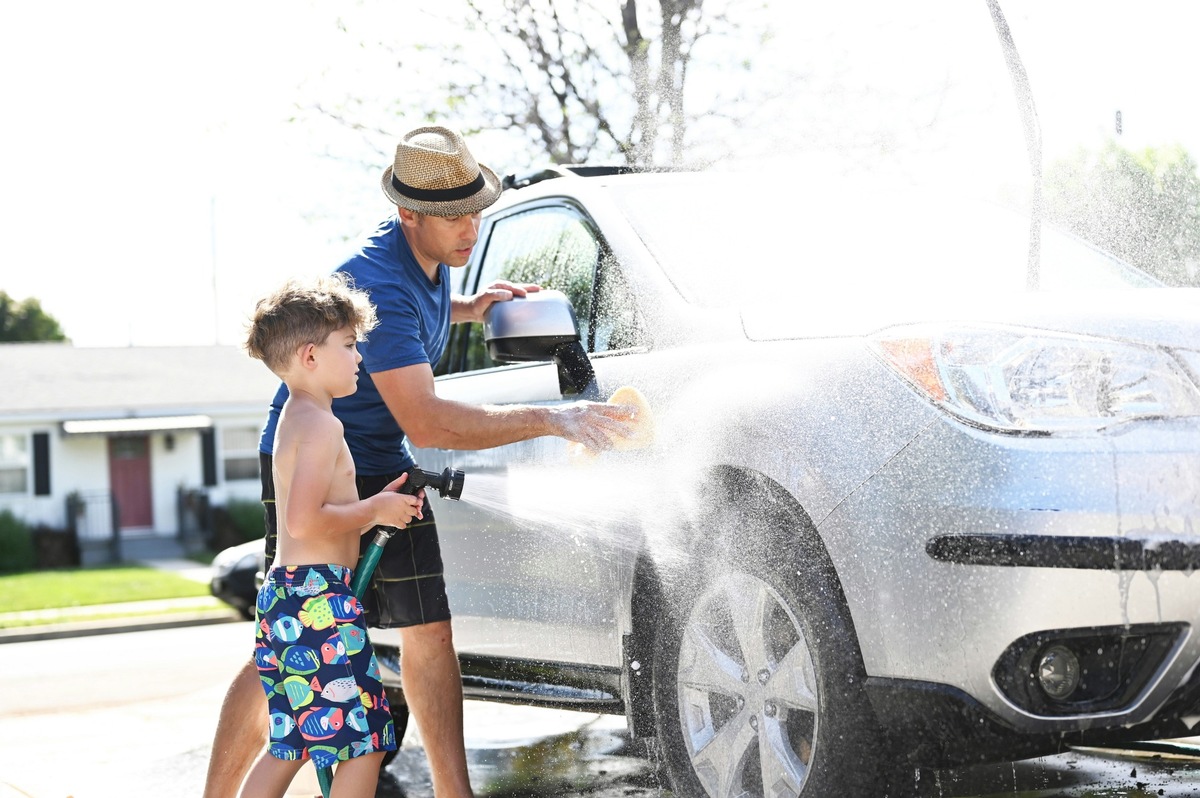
(135, 623)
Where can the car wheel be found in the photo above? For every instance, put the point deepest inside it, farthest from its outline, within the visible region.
(757, 680)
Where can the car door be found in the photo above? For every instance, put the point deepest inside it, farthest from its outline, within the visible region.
(527, 575)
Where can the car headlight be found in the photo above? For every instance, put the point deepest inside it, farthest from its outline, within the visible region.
(1024, 380)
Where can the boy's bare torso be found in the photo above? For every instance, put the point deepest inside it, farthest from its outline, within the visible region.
(306, 428)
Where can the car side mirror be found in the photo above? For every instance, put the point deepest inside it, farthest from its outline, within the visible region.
(540, 326)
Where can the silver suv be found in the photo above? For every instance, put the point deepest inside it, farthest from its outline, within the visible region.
(898, 510)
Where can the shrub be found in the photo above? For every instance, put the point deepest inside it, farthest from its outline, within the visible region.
(247, 517)
(16, 545)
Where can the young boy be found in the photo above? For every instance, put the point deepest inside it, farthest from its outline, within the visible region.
(315, 661)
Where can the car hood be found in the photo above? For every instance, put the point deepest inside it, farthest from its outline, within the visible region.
(1162, 316)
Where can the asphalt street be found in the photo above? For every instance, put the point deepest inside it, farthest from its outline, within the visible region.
(88, 711)
(133, 714)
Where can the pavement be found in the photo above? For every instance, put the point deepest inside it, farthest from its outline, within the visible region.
(163, 553)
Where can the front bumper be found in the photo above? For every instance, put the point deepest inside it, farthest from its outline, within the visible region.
(967, 543)
(938, 726)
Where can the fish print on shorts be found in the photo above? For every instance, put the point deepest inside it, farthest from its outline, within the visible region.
(314, 584)
(357, 719)
(316, 613)
(321, 723)
(301, 660)
(339, 691)
(344, 608)
(298, 690)
(322, 682)
(287, 629)
(365, 746)
(354, 639)
(333, 650)
(323, 756)
(281, 725)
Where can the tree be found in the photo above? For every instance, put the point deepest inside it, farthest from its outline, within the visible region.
(26, 321)
(587, 80)
(1142, 206)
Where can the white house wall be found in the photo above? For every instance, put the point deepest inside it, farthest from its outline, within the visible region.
(80, 463)
(170, 470)
(77, 463)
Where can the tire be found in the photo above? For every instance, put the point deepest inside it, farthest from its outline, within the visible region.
(757, 678)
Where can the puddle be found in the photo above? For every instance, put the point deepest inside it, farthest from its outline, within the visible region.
(588, 755)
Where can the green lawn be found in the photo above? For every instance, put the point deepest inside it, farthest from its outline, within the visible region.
(38, 590)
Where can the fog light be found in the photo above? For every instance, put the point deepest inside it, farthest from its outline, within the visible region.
(1058, 672)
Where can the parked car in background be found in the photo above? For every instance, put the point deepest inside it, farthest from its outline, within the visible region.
(899, 507)
(236, 574)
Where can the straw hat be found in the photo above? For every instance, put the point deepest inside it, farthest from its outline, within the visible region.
(435, 173)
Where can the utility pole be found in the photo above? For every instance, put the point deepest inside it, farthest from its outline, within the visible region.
(212, 236)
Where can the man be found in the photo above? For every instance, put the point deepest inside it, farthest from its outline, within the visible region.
(439, 191)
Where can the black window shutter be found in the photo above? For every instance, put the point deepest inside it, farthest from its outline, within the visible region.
(208, 450)
(41, 464)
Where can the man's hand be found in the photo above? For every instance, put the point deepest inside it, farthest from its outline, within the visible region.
(595, 425)
(471, 308)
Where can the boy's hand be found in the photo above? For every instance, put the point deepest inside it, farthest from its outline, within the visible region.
(397, 483)
(398, 509)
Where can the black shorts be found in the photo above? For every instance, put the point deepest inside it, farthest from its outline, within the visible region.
(407, 587)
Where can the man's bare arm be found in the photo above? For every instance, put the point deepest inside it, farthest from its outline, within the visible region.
(433, 422)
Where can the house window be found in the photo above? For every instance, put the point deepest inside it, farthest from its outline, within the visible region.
(14, 463)
(239, 452)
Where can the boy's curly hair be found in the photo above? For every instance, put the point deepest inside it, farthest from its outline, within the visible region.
(306, 312)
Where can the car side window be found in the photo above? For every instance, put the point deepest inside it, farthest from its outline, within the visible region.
(618, 322)
(554, 247)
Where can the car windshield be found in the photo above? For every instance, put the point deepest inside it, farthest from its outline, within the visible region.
(712, 231)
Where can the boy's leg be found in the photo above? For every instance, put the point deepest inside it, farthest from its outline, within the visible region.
(433, 690)
(271, 777)
(240, 736)
(357, 777)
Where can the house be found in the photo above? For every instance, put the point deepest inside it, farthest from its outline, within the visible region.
(121, 442)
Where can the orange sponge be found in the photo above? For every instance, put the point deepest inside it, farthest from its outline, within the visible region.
(643, 422)
(643, 425)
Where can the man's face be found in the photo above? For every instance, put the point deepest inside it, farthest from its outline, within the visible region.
(444, 239)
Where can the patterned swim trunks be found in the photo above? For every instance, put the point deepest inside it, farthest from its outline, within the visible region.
(324, 694)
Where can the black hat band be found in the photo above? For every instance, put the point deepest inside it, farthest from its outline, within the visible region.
(440, 194)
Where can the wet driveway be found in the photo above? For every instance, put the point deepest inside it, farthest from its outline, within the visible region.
(513, 751)
(522, 752)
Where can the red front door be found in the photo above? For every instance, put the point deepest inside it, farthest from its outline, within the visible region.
(129, 477)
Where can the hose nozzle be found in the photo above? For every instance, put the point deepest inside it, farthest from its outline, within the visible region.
(448, 484)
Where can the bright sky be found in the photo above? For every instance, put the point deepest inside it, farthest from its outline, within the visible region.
(154, 187)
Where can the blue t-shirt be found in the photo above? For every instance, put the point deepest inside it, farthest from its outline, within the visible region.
(414, 325)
